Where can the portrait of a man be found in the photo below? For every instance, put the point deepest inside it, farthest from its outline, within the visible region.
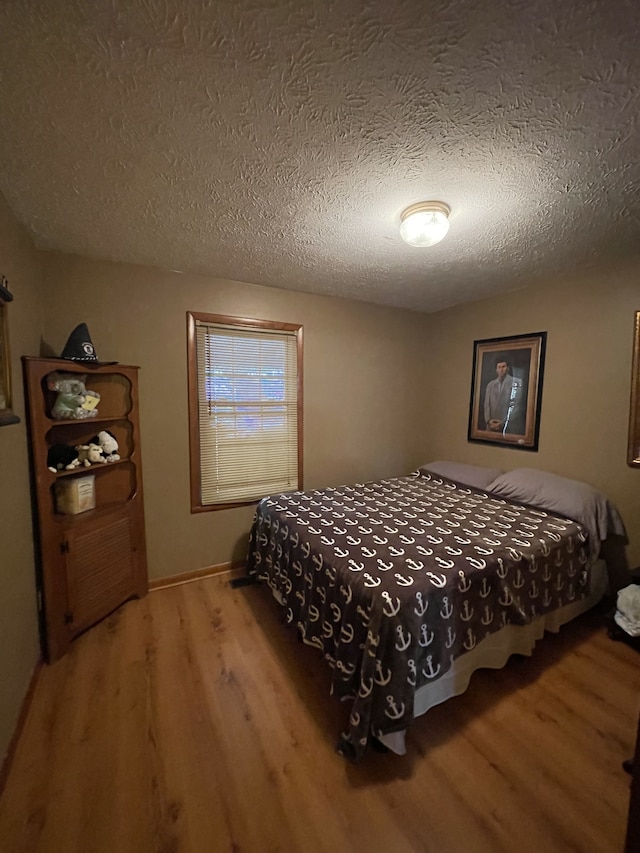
(506, 389)
(505, 404)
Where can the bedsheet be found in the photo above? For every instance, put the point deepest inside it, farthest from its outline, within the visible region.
(393, 580)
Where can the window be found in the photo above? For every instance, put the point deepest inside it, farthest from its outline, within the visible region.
(245, 409)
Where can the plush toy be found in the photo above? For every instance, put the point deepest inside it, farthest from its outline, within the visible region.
(108, 445)
(74, 402)
(89, 453)
(62, 457)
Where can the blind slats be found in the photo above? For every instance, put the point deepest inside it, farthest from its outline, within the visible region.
(247, 412)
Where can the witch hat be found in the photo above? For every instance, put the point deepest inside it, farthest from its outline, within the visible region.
(5, 293)
(79, 346)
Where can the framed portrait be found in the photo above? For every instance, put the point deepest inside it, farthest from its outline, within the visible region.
(7, 415)
(633, 454)
(506, 390)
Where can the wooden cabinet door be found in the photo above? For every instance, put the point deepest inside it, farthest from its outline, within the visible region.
(100, 568)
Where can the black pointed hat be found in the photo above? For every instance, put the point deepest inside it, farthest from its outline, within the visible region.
(79, 346)
(5, 293)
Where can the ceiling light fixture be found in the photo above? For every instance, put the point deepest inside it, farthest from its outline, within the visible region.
(425, 223)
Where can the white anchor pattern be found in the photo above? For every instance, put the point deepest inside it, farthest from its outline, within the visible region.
(394, 579)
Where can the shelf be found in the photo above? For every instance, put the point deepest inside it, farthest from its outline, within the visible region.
(88, 469)
(114, 483)
(89, 562)
(82, 432)
(84, 421)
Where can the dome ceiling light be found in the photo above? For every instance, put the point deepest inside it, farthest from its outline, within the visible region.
(425, 223)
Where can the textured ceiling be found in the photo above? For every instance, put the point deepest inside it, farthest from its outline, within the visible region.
(277, 142)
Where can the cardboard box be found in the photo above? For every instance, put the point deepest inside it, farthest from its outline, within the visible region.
(75, 494)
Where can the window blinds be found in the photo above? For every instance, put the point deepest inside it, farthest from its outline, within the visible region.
(247, 412)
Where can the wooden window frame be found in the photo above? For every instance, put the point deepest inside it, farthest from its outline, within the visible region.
(192, 369)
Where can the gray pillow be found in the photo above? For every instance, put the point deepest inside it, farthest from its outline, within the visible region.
(561, 496)
(469, 475)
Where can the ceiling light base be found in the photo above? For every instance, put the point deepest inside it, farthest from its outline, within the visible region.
(425, 223)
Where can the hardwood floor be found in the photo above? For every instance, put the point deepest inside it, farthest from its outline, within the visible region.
(194, 721)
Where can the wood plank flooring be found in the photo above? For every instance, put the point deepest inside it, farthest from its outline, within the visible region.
(193, 721)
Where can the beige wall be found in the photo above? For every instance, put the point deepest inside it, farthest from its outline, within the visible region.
(360, 367)
(585, 404)
(384, 391)
(18, 618)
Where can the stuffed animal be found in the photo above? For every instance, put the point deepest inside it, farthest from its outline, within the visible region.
(74, 402)
(108, 445)
(62, 457)
(89, 453)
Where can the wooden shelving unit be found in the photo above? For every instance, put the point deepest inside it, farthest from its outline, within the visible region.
(90, 563)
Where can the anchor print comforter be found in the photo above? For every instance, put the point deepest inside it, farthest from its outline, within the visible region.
(393, 580)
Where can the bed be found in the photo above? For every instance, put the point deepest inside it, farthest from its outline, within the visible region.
(407, 585)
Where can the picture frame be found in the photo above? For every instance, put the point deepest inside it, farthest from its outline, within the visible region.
(633, 450)
(7, 415)
(506, 390)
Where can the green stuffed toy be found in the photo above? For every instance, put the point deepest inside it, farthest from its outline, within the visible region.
(74, 402)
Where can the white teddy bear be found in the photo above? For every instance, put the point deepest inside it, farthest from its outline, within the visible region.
(108, 445)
